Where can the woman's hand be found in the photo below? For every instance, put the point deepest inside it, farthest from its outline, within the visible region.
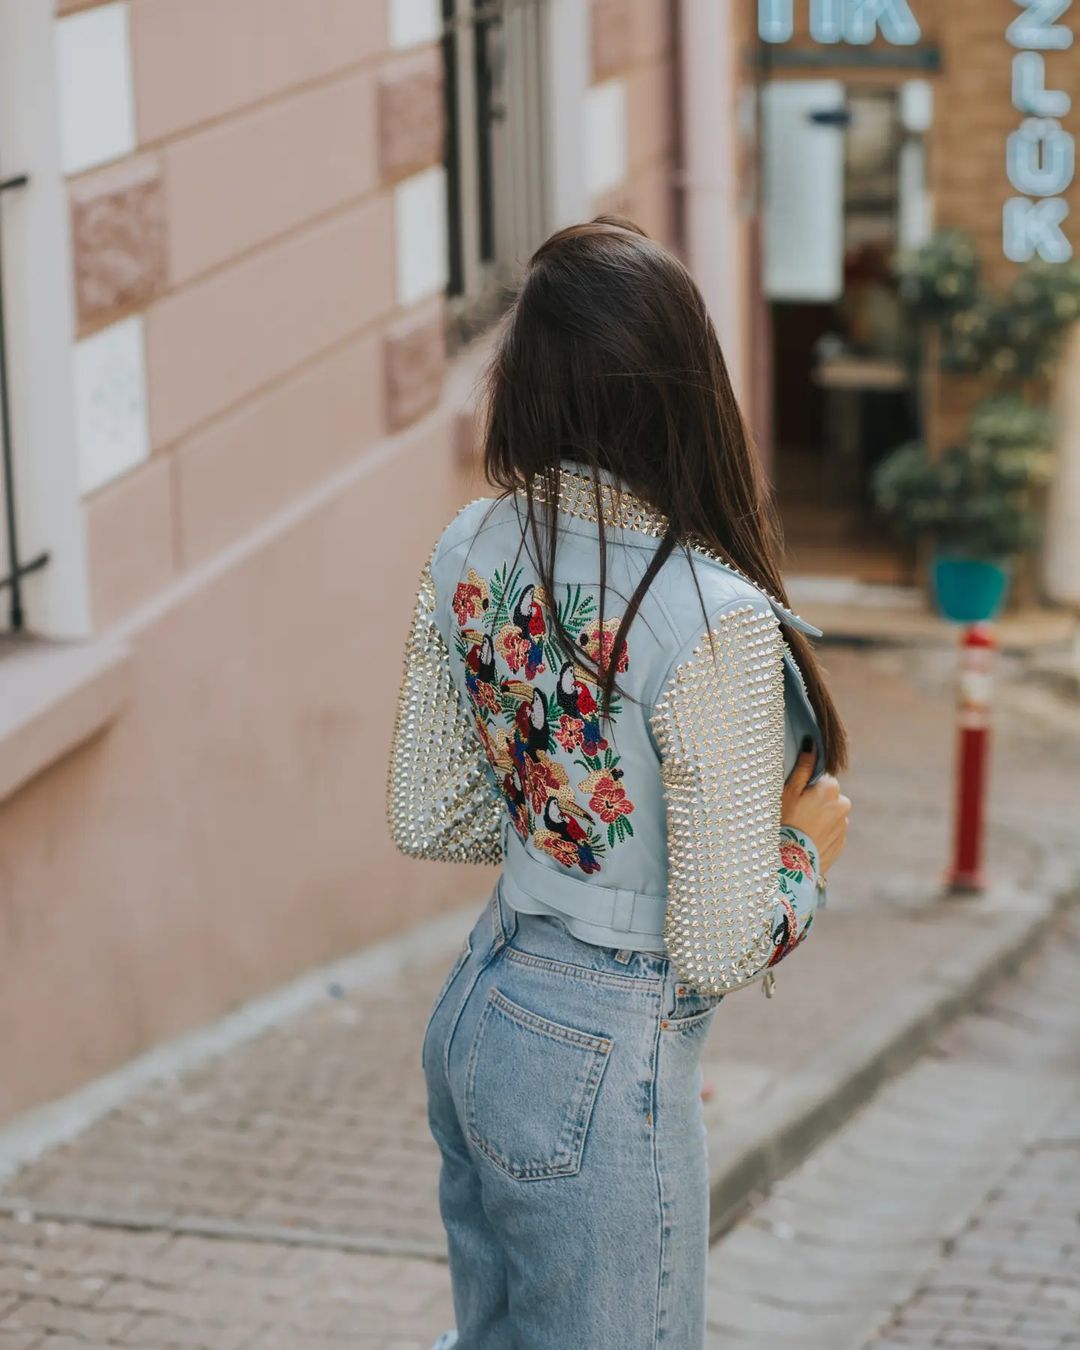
(820, 811)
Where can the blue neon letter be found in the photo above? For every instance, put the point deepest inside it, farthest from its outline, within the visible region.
(1039, 27)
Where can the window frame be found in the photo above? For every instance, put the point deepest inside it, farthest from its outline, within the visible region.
(498, 150)
(39, 331)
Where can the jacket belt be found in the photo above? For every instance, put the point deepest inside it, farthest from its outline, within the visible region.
(623, 911)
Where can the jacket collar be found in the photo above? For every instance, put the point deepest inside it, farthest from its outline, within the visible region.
(622, 510)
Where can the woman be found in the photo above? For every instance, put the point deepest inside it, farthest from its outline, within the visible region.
(604, 691)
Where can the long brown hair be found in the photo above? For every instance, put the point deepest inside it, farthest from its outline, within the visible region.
(608, 357)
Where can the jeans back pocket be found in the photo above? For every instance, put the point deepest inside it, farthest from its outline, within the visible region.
(530, 1089)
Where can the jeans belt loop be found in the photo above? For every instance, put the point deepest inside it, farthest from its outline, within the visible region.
(622, 911)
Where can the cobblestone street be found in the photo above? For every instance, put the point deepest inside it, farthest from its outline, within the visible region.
(282, 1194)
(947, 1211)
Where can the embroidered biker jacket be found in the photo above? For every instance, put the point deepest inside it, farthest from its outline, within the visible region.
(655, 828)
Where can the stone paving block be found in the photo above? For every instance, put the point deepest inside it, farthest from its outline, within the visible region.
(868, 1186)
(44, 1314)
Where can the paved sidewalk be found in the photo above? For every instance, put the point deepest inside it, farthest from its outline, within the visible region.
(284, 1194)
(1010, 1276)
(944, 1213)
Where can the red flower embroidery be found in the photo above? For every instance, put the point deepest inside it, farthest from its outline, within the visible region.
(544, 778)
(570, 733)
(486, 696)
(598, 646)
(512, 647)
(471, 597)
(608, 799)
(794, 858)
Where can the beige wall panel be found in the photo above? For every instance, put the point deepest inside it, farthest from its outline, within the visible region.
(651, 202)
(610, 30)
(247, 180)
(130, 531)
(223, 337)
(650, 28)
(228, 832)
(196, 60)
(254, 461)
(650, 103)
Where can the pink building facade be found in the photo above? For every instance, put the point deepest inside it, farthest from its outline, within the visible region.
(246, 283)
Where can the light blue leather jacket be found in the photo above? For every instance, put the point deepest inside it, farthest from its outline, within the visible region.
(657, 828)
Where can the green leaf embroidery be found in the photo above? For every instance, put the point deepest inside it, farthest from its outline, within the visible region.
(505, 589)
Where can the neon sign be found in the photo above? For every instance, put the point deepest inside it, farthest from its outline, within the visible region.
(1040, 155)
(855, 21)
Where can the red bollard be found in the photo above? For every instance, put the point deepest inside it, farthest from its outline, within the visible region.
(977, 648)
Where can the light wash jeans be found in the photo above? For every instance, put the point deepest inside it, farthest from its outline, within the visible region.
(564, 1089)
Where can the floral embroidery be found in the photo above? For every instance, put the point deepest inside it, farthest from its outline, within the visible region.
(608, 799)
(795, 860)
(471, 597)
(571, 732)
(536, 732)
(513, 648)
(598, 648)
(796, 866)
(545, 778)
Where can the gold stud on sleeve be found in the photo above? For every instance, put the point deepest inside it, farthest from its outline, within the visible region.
(719, 725)
(440, 802)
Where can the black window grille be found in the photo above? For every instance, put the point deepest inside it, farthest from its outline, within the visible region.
(13, 567)
(493, 56)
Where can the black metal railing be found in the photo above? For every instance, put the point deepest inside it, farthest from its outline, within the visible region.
(16, 566)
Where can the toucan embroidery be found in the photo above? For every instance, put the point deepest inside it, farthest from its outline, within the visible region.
(535, 731)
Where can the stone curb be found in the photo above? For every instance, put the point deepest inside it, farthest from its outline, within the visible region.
(748, 1157)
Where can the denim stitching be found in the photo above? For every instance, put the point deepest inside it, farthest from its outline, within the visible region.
(497, 938)
(546, 1026)
(662, 1246)
(681, 1023)
(649, 983)
(599, 1050)
(455, 970)
(482, 964)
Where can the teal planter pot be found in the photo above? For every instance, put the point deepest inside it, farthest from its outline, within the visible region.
(969, 590)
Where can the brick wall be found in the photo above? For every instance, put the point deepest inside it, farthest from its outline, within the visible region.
(973, 118)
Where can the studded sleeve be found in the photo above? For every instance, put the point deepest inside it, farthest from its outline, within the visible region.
(742, 889)
(440, 802)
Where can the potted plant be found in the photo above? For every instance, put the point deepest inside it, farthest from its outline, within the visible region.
(978, 503)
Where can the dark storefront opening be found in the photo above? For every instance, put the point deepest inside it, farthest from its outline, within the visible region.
(846, 189)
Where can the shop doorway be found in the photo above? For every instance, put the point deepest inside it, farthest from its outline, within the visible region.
(845, 186)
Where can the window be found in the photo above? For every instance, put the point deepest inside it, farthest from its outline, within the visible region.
(496, 152)
(43, 575)
(14, 566)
